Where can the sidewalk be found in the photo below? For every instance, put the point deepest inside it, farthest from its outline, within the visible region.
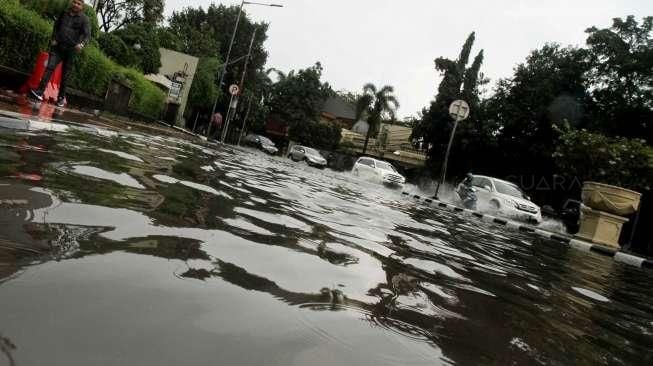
(19, 106)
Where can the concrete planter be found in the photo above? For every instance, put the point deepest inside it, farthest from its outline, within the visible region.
(611, 199)
(601, 227)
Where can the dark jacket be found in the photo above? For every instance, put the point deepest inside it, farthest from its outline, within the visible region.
(71, 30)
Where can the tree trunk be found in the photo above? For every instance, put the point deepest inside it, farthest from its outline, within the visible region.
(367, 138)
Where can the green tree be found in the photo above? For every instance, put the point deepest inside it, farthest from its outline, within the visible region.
(207, 33)
(317, 135)
(548, 89)
(458, 82)
(621, 77)
(117, 50)
(168, 40)
(376, 104)
(144, 44)
(204, 90)
(297, 97)
(115, 14)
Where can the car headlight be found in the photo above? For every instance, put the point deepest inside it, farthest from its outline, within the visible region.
(509, 202)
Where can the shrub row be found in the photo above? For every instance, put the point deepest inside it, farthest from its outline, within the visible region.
(317, 135)
(595, 157)
(24, 33)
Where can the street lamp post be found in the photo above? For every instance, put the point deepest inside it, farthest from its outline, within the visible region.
(231, 44)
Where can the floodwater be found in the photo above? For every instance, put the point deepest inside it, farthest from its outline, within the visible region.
(122, 248)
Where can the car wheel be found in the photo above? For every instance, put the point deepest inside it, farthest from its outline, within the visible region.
(494, 205)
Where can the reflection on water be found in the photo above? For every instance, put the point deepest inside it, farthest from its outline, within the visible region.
(147, 250)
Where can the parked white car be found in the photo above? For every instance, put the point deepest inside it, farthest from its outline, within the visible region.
(378, 171)
(505, 198)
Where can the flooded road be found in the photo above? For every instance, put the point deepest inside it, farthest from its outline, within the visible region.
(119, 248)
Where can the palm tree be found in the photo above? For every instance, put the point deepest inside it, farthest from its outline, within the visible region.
(281, 76)
(375, 104)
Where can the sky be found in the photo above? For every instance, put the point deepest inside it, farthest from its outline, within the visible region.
(396, 42)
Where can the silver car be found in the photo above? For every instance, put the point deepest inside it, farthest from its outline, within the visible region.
(262, 143)
(311, 156)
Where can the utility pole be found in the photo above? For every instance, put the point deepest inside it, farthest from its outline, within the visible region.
(231, 44)
(226, 62)
(242, 129)
(234, 105)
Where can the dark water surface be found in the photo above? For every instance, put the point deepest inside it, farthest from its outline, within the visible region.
(119, 248)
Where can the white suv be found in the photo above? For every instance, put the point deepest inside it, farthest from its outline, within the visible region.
(505, 198)
(378, 171)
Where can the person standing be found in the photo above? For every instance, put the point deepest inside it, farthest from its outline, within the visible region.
(70, 34)
(216, 124)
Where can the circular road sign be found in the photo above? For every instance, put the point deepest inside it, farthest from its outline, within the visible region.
(234, 89)
(459, 110)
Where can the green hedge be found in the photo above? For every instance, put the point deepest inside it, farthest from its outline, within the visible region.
(117, 50)
(317, 135)
(595, 157)
(51, 9)
(23, 34)
(147, 98)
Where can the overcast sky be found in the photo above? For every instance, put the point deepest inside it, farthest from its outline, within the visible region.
(395, 42)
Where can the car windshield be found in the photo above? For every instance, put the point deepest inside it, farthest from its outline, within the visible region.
(311, 152)
(385, 166)
(265, 140)
(509, 189)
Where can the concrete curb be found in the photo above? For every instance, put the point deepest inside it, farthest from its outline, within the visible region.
(560, 238)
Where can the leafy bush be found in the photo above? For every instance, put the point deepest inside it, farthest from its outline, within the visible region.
(147, 99)
(25, 34)
(594, 157)
(51, 9)
(318, 135)
(92, 71)
(117, 50)
(204, 90)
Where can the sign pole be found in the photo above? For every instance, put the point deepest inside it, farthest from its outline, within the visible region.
(233, 102)
(459, 111)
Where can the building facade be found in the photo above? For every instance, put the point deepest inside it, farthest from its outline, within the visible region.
(180, 69)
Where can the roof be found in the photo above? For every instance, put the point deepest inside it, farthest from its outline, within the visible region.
(339, 108)
(160, 80)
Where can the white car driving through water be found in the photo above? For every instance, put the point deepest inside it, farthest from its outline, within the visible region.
(378, 171)
(505, 198)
